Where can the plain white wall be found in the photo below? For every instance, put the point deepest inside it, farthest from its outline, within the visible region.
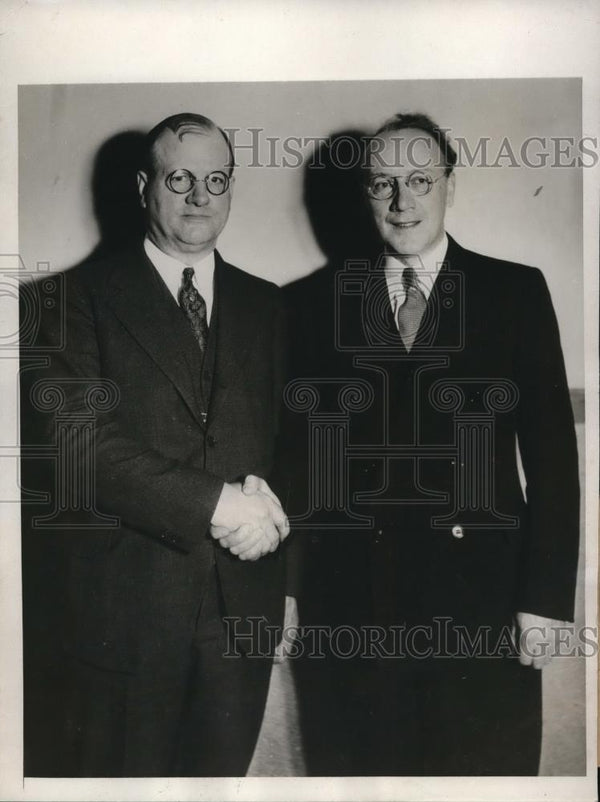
(498, 211)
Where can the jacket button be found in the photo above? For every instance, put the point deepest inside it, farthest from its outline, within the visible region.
(457, 531)
(210, 440)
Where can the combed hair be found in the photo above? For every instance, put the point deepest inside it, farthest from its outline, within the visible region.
(181, 124)
(421, 122)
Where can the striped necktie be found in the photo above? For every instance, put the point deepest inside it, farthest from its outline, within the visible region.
(410, 313)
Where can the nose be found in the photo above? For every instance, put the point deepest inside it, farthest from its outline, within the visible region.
(402, 199)
(198, 194)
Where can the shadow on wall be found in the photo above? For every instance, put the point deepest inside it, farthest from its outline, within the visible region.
(333, 195)
(335, 199)
(119, 216)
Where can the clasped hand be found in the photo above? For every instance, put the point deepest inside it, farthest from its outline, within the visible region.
(249, 520)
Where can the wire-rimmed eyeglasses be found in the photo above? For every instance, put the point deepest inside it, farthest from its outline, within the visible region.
(182, 181)
(384, 187)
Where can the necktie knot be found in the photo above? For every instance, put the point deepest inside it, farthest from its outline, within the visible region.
(409, 278)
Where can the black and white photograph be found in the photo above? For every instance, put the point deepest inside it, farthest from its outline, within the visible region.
(301, 368)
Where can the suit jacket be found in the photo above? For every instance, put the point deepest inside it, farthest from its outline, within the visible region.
(431, 456)
(166, 435)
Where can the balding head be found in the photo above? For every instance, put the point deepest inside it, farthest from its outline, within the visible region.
(180, 125)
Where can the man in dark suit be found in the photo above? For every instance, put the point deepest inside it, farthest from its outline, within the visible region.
(452, 577)
(169, 531)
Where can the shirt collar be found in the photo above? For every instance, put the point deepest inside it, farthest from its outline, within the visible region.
(162, 261)
(427, 266)
(428, 262)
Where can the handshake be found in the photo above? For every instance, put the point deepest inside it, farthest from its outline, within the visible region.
(249, 520)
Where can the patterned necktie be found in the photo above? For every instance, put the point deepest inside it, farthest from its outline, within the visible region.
(409, 315)
(194, 306)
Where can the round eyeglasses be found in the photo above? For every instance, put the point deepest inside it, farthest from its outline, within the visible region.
(384, 187)
(182, 181)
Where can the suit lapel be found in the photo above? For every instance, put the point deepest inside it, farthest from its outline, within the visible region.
(450, 294)
(237, 319)
(432, 323)
(439, 327)
(149, 312)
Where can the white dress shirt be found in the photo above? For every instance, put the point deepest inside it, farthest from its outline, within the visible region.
(426, 265)
(171, 272)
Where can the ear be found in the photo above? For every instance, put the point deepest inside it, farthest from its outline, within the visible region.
(450, 188)
(142, 182)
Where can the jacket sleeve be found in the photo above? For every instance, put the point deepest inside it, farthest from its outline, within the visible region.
(548, 447)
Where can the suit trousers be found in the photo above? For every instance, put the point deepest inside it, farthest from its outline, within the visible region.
(401, 716)
(199, 717)
(478, 717)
